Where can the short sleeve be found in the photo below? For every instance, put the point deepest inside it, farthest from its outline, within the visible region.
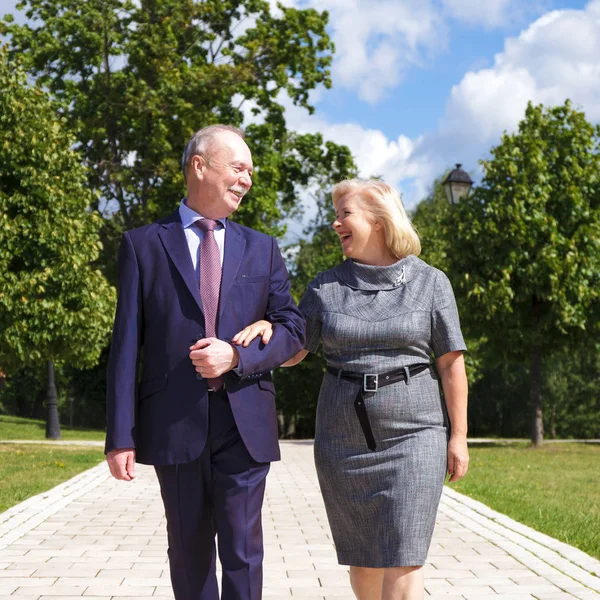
(310, 306)
(446, 335)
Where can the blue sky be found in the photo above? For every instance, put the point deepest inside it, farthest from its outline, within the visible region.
(419, 85)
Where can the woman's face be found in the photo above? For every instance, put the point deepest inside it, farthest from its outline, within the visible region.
(359, 235)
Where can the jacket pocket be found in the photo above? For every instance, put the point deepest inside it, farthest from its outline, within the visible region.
(151, 386)
(252, 279)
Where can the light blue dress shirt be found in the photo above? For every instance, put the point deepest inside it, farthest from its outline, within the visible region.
(194, 235)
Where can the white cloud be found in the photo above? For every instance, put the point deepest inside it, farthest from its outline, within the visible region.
(377, 40)
(374, 153)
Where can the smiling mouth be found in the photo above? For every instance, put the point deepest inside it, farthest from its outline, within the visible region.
(344, 236)
(239, 194)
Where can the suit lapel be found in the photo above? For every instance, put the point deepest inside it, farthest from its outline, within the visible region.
(175, 243)
(235, 243)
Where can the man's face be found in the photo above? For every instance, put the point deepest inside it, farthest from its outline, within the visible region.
(224, 176)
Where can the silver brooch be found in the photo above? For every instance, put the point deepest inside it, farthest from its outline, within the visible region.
(401, 279)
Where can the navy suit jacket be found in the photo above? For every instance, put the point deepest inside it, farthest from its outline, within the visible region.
(156, 402)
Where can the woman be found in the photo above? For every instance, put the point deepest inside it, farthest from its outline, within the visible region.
(382, 442)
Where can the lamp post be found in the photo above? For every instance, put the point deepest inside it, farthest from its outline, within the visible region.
(457, 185)
(52, 425)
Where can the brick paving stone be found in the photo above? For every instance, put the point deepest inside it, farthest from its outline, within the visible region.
(62, 590)
(47, 597)
(100, 539)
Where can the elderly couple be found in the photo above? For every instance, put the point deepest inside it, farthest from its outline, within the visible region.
(205, 313)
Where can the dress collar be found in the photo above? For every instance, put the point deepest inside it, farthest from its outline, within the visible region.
(374, 278)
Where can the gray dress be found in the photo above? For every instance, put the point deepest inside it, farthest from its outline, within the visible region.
(381, 505)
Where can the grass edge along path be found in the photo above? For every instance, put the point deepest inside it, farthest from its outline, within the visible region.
(554, 489)
(30, 469)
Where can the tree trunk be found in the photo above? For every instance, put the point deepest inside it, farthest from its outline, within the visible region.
(290, 430)
(537, 425)
(52, 425)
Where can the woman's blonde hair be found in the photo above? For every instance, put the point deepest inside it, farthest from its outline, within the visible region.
(383, 203)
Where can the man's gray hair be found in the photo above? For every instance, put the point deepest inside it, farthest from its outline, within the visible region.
(202, 141)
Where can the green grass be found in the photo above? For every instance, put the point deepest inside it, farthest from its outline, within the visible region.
(17, 428)
(554, 489)
(29, 469)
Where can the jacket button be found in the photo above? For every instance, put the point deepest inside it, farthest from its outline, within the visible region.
(198, 376)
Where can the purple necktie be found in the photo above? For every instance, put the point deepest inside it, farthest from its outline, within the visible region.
(210, 283)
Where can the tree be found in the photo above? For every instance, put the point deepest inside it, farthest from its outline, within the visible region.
(430, 218)
(526, 244)
(55, 306)
(298, 387)
(136, 79)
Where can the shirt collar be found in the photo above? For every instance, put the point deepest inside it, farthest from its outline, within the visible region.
(189, 217)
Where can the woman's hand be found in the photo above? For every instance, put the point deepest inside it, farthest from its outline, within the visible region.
(451, 367)
(458, 457)
(259, 328)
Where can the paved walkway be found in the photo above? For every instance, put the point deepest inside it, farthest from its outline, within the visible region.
(101, 539)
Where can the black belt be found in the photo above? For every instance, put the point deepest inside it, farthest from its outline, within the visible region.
(371, 382)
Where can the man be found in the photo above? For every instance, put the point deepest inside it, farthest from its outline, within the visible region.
(204, 411)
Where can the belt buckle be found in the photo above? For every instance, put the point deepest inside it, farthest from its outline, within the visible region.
(370, 382)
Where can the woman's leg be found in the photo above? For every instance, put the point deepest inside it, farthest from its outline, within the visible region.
(403, 583)
(366, 583)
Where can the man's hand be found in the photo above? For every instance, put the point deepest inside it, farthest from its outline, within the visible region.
(213, 357)
(121, 463)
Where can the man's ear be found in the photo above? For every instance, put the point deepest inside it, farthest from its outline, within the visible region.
(197, 164)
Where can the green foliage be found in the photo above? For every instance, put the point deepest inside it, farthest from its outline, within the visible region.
(498, 399)
(25, 390)
(54, 304)
(430, 219)
(136, 79)
(499, 381)
(523, 255)
(572, 392)
(526, 243)
(81, 393)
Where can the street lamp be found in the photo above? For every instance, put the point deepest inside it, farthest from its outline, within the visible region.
(457, 185)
